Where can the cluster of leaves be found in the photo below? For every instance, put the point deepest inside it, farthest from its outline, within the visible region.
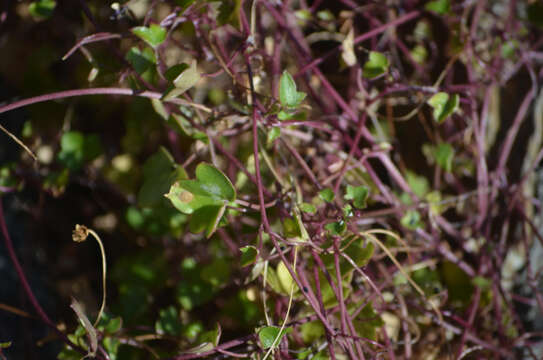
(287, 180)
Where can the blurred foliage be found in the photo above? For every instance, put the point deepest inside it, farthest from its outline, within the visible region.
(366, 117)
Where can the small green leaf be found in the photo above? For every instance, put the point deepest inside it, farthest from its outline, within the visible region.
(376, 65)
(444, 154)
(288, 95)
(114, 325)
(273, 281)
(336, 228)
(308, 208)
(169, 322)
(215, 183)
(212, 336)
(112, 347)
(153, 35)
(269, 334)
(76, 149)
(249, 254)
(358, 194)
(418, 184)
(443, 105)
(140, 60)
(411, 220)
(186, 78)
(42, 9)
(441, 7)
(228, 11)
(273, 134)
(5, 345)
(291, 228)
(327, 195)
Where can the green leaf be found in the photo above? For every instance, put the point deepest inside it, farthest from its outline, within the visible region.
(42, 9)
(153, 35)
(68, 354)
(336, 228)
(273, 281)
(288, 95)
(187, 202)
(443, 105)
(439, 6)
(183, 78)
(76, 149)
(173, 73)
(169, 322)
(308, 208)
(249, 254)
(268, 334)
(159, 173)
(368, 322)
(358, 194)
(5, 345)
(312, 331)
(229, 11)
(212, 336)
(411, 220)
(285, 279)
(418, 184)
(211, 182)
(206, 218)
(140, 60)
(376, 65)
(291, 229)
(327, 195)
(444, 154)
(114, 325)
(273, 134)
(112, 347)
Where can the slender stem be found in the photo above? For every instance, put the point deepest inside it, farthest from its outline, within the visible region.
(96, 91)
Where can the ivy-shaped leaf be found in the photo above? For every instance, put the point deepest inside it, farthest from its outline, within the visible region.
(336, 228)
(376, 65)
(327, 195)
(358, 194)
(153, 35)
(268, 334)
(443, 105)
